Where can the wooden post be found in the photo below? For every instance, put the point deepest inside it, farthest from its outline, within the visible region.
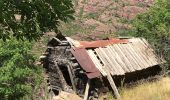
(87, 90)
(71, 77)
(110, 79)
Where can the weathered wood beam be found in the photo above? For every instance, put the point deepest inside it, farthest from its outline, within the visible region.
(113, 86)
(71, 77)
(87, 90)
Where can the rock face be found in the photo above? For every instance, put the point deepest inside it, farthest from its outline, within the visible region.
(100, 18)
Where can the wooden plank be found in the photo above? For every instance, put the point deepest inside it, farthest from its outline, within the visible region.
(96, 62)
(113, 60)
(150, 52)
(132, 54)
(137, 56)
(105, 62)
(127, 60)
(119, 59)
(129, 56)
(123, 56)
(87, 90)
(111, 65)
(112, 84)
(144, 50)
(71, 77)
(133, 57)
(138, 49)
(158, 59)
(114, 63)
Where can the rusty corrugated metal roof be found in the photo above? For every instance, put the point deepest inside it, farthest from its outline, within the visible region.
(116, 56)
(85, 62)
(99, 43)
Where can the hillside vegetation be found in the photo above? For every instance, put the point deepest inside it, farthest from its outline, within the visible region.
(96, 19)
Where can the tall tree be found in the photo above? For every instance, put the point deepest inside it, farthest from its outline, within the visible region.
(29, 19)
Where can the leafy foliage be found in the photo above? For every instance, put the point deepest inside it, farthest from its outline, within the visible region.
(19, 74)
(30, 18)
(154, 25)
(21, 22)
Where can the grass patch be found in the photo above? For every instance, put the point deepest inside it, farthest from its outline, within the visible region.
(158, 90)
(92, 15)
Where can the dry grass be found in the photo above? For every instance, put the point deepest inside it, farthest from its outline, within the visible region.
(158, 90)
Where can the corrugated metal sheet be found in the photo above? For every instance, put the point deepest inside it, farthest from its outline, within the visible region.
(118, 58)
(85, 62)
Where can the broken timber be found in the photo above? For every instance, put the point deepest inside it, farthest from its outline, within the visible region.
(112, 84)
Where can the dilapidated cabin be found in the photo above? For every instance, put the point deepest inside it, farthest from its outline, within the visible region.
(86, 67)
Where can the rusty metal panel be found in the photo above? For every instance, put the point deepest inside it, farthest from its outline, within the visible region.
(85, 62)
(99, 43)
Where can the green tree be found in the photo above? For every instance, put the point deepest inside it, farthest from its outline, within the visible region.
(22, 22)
(31, 18)
(154, 25)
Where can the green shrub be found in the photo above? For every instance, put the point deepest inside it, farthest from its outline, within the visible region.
(18, 73)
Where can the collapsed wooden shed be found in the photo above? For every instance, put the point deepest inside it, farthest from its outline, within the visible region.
(85, 60)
